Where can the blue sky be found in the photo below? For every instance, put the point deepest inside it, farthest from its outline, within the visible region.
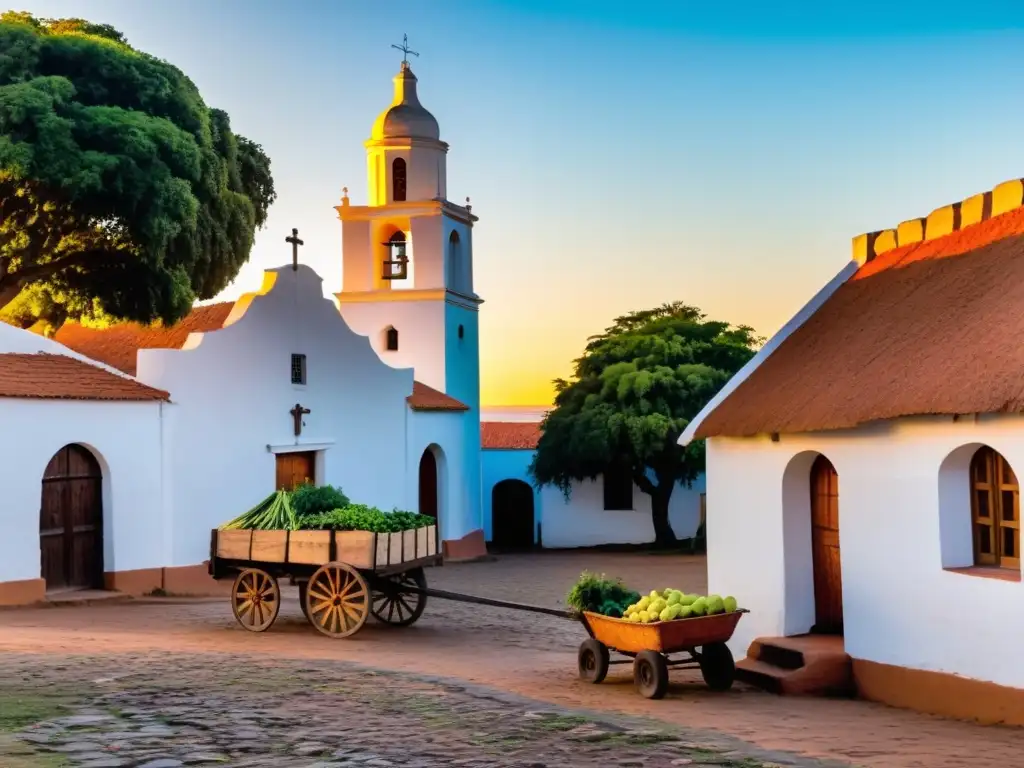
(619, 155)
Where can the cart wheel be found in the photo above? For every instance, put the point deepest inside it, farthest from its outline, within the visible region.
(255, 599)
(717, 666)
(336, 600)
(650, 674)
(303, 588)
(593, 661)
(393, 606)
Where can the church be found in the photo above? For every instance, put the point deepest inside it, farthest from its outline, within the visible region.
(133, 442)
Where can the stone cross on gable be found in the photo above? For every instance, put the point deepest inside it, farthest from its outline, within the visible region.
(297, 413)
(295, 242)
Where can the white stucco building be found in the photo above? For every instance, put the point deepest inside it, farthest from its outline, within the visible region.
(605, 511)
(862, 476)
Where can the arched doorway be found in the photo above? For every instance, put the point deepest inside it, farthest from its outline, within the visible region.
(428, 484)
(512, 521)
(71, 521)
(828, 580)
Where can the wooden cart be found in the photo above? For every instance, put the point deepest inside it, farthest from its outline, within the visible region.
(651, 645)
(343, 576)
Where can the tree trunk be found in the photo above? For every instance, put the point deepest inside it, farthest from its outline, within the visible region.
(9, 294)
(664, 536)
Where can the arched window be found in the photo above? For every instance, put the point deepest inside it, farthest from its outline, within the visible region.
(398, 180)
(391, 339)
(453, 260)
(995, 510)
(396, 267)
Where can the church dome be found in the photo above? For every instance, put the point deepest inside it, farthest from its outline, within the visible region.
(406, 118)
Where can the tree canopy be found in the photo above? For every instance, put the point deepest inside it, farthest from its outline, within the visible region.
(633, 392)
(122, 194)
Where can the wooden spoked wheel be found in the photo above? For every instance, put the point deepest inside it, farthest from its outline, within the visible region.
(392, 605)
(255, 599)
(337, 600)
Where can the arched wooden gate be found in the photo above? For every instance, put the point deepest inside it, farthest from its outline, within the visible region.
(71, 520)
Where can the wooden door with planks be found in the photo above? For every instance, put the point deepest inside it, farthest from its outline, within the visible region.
(828, 580)
(71, 521)
(294, 469)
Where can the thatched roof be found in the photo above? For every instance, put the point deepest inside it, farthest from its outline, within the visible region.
(933, 327)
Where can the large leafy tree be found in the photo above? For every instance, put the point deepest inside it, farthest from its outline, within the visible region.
(122, 194)
(633, 391)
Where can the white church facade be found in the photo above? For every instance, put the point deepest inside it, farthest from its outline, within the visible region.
(863, 472)
(133, 442)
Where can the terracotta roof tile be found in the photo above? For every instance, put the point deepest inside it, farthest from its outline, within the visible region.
(424, 398)
(510, 435)
(118, 345)
(930, 328)
(58, 377)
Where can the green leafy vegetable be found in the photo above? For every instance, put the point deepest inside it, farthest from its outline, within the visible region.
(599, 594)
(310, 499)
(360, 517)
(274, 513)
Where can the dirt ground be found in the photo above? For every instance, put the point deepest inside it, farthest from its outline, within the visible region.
(523, 654)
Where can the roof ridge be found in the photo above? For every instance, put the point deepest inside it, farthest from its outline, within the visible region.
(942, 222)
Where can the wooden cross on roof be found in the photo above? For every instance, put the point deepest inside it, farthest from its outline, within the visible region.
(295, 242)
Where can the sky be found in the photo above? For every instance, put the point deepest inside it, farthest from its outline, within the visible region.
(619, 155)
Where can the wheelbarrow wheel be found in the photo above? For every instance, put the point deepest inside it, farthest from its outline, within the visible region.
(717, 666)
(650, 674)
(593, 661)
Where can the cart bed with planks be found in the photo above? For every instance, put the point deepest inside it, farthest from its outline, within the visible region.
(343, 576)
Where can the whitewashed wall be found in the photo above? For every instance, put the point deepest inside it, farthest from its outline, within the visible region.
(421, 334)
(443, 432)
(904, 511)
(584, 522)
(125, 438)
(233, 393)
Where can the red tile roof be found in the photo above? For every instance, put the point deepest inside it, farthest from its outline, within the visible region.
(933, 327)
(424, 398)
(118, 347)
(58, 377)
(510, 435)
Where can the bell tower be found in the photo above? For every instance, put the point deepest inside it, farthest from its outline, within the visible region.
(407, 255)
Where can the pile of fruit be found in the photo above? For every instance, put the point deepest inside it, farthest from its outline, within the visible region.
(311, 507)
(673, 604)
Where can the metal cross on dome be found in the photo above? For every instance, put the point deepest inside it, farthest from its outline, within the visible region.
(405, 49)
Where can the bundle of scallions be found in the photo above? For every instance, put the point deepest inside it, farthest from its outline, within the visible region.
(274, 513)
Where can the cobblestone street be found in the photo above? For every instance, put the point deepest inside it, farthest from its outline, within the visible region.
(176, 680)
(168, 711)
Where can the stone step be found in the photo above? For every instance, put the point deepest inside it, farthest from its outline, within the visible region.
(761, 675)
(801, 665)
(780, 656)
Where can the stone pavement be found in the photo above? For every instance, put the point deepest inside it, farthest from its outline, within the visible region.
(523, 654)
(167, 711)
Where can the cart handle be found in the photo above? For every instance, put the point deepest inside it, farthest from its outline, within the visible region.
(562, 613)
